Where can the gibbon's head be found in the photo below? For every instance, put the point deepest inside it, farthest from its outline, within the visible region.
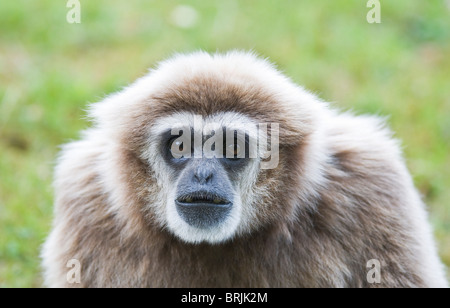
(211, 147)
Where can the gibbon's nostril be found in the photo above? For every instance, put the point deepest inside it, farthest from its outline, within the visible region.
(203, 175)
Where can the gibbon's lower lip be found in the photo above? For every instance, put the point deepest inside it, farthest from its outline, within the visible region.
(202, 199)
(203, 214)
(204, 204)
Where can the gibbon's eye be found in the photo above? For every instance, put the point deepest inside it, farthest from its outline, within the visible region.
(236, 150)
(178, 144)
(233, 151)
(176, 147)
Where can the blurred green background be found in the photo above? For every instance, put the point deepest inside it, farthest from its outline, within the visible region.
(50, 70)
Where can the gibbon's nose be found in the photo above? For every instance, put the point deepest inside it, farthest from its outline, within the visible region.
(203, 174)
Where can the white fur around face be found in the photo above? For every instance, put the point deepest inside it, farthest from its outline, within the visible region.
(241, 215)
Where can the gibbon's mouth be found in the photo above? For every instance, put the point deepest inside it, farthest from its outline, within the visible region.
(203, 210)
(202, 198)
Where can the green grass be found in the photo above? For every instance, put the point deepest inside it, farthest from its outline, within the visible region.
(50, 70)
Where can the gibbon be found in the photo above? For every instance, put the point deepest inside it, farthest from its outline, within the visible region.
(172, 187)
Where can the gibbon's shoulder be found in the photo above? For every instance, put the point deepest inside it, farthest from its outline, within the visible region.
(365, 136)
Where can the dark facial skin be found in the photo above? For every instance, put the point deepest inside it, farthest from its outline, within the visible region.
(205, 191)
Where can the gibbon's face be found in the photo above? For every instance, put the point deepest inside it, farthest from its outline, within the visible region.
(209, 166)
(221, 140)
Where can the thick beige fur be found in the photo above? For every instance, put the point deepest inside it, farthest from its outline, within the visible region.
(341, 195)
